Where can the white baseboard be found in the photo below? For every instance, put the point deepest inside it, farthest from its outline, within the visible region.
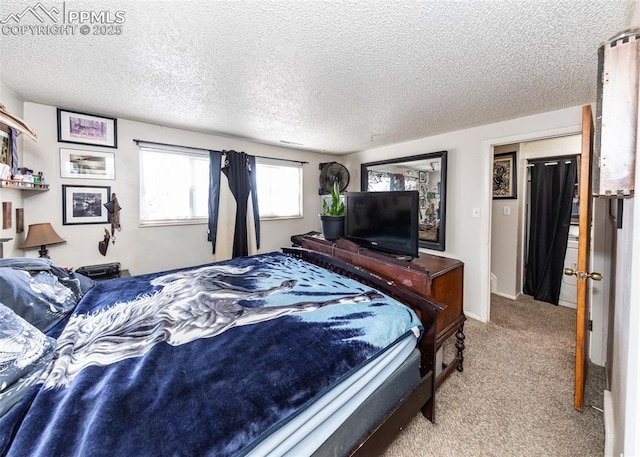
(510, 297)
(609, 429)
(567, 304)
(474, 316)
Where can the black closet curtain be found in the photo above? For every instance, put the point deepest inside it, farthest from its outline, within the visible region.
(552, 188)
(240, 171)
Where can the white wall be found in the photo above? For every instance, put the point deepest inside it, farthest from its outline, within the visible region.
(148, 249)
(625, 363)
(628, 346)
(624, 357)
(625, 366)
(13, 104)
(469, 186)
(506, 231)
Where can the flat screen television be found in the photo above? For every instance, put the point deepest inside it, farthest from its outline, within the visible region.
(384, 221)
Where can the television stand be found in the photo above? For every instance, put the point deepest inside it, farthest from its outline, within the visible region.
(399, 257)
(434, 277)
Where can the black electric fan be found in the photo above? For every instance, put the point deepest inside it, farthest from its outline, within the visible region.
(331, 173)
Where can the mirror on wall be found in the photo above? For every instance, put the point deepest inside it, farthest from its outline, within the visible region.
(426, 173)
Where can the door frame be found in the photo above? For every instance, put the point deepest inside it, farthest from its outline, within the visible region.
(485, 235)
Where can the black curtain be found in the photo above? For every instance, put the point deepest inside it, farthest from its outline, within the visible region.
(552, 189)
(214, 196)
(240, 171)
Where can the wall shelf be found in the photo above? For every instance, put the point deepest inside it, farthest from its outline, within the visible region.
(22, 185)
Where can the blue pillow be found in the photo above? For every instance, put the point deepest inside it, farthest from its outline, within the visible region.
(24, 354)
(80, 284)
(26, 263)
(37, 264)
(37, 296)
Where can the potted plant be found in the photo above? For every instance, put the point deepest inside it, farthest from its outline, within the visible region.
(332, 217)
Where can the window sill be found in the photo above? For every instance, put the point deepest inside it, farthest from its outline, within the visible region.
(279, 218)
(172, 223)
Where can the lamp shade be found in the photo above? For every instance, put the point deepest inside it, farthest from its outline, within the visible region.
(41, 235)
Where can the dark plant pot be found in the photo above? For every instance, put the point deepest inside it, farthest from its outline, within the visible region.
(332, 227)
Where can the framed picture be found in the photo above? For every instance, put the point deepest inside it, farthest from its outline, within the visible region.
(85, 204)
(79, 163)
(84, 128)
(5, 146)
(504, 175)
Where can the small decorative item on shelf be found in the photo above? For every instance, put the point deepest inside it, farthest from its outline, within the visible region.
(5, 171)
(18, 182)
(24, 179)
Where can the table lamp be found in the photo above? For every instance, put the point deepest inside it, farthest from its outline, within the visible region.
(41, 235)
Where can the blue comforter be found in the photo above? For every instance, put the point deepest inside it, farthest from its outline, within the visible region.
(200, 361)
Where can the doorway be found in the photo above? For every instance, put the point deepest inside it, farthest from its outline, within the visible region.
(509, 217)
(508, 233)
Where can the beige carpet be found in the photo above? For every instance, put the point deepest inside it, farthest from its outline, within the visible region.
(515, 396)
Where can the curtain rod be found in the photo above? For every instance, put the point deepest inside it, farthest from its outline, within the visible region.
(551, 160)
(136, 141)
(547, 162)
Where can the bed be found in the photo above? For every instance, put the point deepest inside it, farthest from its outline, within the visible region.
(287, 353)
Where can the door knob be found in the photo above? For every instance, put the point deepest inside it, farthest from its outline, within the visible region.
(582, 275)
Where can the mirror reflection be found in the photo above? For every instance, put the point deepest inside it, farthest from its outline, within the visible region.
(425, 173)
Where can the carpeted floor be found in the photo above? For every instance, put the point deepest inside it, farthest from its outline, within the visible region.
(515, 396)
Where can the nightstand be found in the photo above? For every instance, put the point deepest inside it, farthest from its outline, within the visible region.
(120, 274)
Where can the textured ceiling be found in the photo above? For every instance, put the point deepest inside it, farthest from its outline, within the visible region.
(327, 76)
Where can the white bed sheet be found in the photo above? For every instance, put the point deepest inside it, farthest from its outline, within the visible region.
(308, 430)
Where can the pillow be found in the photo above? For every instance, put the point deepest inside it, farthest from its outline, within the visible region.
(77, 282)
(24, 354)
(26, 263)
(38, 296)
(81, 284)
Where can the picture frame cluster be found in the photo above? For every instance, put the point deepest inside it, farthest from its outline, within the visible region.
(84, 204)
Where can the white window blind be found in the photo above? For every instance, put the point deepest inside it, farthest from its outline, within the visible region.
(174, 186)
(279, 188)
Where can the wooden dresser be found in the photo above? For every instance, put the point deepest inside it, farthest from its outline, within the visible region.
(437, 278)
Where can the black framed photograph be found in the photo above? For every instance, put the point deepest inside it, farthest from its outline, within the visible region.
(505, 176)
(88, 129)
(85, 204)
(81, 163)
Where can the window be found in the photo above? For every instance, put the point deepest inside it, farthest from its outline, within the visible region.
(174, 186)
(279, 189)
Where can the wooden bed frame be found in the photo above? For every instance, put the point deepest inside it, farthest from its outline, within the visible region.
(422, 397)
